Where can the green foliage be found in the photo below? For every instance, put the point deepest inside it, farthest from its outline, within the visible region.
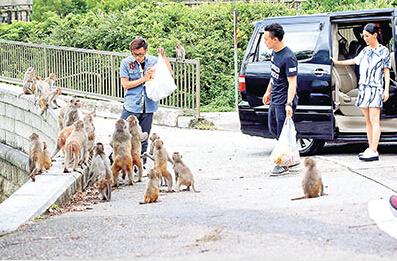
(59, 7)
(317, 6)
(206, 31)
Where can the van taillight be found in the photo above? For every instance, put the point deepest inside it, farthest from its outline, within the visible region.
(241, 83)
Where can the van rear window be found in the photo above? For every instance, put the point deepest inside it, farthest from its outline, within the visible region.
(300, 38)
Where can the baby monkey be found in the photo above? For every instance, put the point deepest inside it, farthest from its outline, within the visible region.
(183, 175)
(152, 188)
(312, 184)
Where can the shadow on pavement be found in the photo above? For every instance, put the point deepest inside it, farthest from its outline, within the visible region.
(355, 148)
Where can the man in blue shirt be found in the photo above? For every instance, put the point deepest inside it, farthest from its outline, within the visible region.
(281, 91)
(135, 71)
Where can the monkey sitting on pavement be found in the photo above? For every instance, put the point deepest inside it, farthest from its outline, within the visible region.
(312, 183)
(35, 156)
(152, 188)
(183, 175)
(100, 169)
(121, 144)
(136, 145)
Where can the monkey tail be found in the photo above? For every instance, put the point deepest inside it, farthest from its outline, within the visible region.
(109, 191)
(58, 148)
(303, 197)
(194, 189)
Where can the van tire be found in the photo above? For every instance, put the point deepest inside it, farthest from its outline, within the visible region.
(309, 147)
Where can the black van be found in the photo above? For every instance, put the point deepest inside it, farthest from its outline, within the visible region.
(327, 93)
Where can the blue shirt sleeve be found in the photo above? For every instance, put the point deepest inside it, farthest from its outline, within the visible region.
(124, 69)
(291, 66)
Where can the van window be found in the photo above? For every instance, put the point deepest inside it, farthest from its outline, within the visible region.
(300, 38)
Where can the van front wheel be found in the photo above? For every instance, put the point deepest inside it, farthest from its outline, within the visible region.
(309, 147)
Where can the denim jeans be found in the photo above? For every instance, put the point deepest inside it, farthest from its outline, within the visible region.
(276, 118)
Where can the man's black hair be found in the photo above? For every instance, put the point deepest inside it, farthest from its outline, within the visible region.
(275, 30)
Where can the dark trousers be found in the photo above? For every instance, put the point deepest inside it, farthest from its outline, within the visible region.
(276, 118)
(145, 121)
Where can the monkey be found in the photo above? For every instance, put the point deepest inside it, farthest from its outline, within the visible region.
(43, 104)
(312, 183)
(75, 146)
(51, 80)
(136, 146)
(183, 175)
(152, 190)
(35, 156)
(100, 168)
(90, 129)
(121, 144)
(160, 158)
(61, 140)
(180, 52)
(52, 98)
(29, 81)
(41, 89)
(69, 113)
(47, 163)
(152, 138)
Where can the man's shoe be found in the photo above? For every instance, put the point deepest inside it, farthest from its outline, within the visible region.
(393, 204)
(369, 155)
(279, 170)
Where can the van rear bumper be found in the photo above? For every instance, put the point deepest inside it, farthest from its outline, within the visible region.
(250, 123)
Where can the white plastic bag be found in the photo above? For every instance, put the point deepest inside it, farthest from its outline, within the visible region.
(286, 152)
(162, 84)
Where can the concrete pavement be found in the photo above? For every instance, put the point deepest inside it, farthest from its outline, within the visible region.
(240, 213)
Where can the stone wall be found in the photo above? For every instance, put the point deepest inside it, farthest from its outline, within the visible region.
(19, 118)
(13, 170)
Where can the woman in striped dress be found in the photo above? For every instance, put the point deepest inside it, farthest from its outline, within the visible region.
(374, 83)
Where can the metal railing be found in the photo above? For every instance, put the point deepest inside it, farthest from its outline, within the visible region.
(93, 73)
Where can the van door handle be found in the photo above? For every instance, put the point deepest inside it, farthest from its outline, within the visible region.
(319, 72)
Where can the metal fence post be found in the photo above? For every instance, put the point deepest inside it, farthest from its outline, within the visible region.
(198, 89)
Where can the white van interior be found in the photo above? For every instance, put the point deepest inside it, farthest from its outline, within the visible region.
(347, 42)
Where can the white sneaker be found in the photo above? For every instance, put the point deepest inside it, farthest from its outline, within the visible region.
(369, 155)
(362, 153)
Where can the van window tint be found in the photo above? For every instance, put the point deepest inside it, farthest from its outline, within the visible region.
(300, 38)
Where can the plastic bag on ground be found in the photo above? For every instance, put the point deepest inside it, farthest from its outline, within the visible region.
(162, 84)
(286, 152)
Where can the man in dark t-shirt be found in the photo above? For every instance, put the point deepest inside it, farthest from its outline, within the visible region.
(281, 91)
